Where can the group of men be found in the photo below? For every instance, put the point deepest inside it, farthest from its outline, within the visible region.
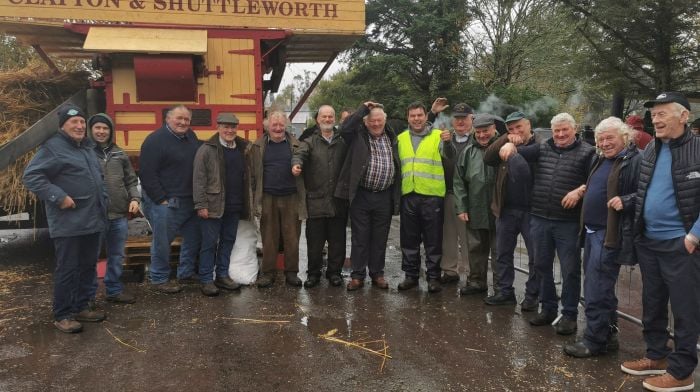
(465, 193)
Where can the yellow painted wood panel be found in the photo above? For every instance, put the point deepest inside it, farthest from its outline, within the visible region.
(299, 16)
(136, 138)
(238, 72)
(139, 40)
(134, 118)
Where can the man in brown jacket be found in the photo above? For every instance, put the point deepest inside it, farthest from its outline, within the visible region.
(279, 199)
(221, 192)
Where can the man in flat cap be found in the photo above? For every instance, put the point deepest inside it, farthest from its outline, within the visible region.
(667, 241)
(473, 187)
(454, 231)
(222, 197)
(511, 206)
(66, 175)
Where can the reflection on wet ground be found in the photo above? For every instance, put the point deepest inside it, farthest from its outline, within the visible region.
(270, 339)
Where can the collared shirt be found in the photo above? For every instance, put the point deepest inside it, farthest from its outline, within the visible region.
(227, 144)
(181, 137)
(380, 168)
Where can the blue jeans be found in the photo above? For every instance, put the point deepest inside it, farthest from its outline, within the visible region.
(177, 217)
(560, 236)
(218, 237)
(509, 224)
(115, 240)
(76, 258)
(601, 271)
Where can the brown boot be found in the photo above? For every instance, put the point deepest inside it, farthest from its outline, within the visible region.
(355, 284)
(380, 283)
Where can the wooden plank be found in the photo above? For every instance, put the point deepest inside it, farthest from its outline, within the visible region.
(141, 40)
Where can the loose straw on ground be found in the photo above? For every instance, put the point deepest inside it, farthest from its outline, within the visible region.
(328, 336)
(125, 343)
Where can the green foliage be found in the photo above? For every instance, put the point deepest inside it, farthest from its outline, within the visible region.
(13, 55)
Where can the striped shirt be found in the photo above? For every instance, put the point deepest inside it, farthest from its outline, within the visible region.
(380, 169)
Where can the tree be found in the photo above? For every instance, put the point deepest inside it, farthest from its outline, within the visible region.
(640, 47)
(14, 55)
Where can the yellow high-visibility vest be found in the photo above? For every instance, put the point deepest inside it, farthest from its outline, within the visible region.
(421, 171)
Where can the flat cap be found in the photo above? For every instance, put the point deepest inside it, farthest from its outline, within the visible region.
(515, 116)
(483, 120)
(227, 118)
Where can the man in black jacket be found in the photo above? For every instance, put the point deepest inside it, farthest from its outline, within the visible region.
(320, 156)
(666, 236)
(371, 182)
(563, 163)
(167, 159)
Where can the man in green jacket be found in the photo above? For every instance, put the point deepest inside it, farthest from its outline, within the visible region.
(222, 197)
(473, 188)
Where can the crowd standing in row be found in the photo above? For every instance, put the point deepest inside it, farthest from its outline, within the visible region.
(465, 193)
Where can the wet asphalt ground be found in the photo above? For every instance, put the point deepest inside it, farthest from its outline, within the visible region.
(271, 339)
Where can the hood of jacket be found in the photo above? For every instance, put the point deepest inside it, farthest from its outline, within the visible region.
(103, 118)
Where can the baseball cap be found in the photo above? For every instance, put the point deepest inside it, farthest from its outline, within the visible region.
(462, 110)
(668, 97)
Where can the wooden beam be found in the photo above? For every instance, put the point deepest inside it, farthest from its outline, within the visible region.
(46, 59)
(311, 88)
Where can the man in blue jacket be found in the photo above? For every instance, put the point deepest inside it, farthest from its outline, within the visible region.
(167, 160)
(65, 174)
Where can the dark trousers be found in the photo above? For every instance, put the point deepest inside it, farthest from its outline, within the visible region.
(508, 225)
(481, 243)
(421, 221)
(370, 220)
(560, 236)
(76, 259)
(280, 218)
(601, 270)
(318, 232)
(669, 272)
(218, 237)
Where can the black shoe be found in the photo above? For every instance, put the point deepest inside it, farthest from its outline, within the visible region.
(121, 298)
(209, 289)
(167, 287)
(265, 279)
(543, 318)
(335, 280)
(579, 350)
(312, 281)
(529, 304)
(472, 289)
(227, 283)
(292, 279)
(500, 299)
(434, 286)
(566, 326)
(408, 283)
(448, 278)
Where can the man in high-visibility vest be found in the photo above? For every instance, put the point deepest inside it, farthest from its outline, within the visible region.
(422, 198)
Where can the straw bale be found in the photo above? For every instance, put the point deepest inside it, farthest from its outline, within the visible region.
(26, 96)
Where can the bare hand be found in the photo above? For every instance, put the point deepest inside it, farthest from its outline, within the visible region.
(67, 203)
(689, 246)
(164, 203)
(439, 105)
(571, 199)
(464, 217)
(371, 104)
(507, 151)
(615, 203)
(515, 139)
(203, 213)
(445, 136)
(296, 170)
(134, 206)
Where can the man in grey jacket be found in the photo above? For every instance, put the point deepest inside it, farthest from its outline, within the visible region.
(121, 185)
(65, 174)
